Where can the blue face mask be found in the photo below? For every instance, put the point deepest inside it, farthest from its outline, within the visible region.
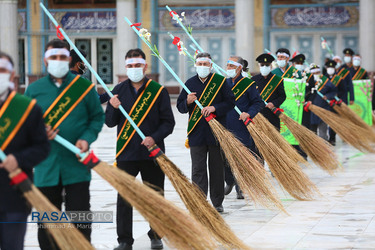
(135, 74)
(203, 71)
(58, 68)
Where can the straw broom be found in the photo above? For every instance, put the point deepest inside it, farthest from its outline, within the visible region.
(249, 173)
(349, 132)
(261, 123)
(165, 218)
(180, 230)
(315, 147)
(199, 208)
(345, 112)
(68, 237)
(286, 171)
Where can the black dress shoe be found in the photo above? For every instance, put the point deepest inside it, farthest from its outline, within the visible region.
(228, 189)
(124, 246)
(156, 244)
(220, 208)
(240, 196)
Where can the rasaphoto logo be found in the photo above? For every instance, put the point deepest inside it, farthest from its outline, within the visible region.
(72, 217)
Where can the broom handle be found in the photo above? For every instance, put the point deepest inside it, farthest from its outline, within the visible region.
(327, 47)
(92, 70)
(2, 155)
(70, 146)
(269, 52)
(164, 62)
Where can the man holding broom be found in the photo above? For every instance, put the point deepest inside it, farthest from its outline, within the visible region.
(322, 84)
(341, 87)
(73, 110)
(271, 88)
(217, 98)
(249, 102)
(148, 103)
(28, 147)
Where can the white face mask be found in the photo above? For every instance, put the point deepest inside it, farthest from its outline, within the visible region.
(231, 73)
(300, 67)
(356, 62)
(338, 65)
(58, 68)
(203, 71)
(281, 63)
(316, 77)
(347, 59)
(244, 74)
(4, 82)
(135, 74)
(330, 71)
(265, 70)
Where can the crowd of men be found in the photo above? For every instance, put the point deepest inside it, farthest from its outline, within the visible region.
(62, 178)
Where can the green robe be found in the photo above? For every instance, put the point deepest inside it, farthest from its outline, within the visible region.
(278, 72)
(84, 122)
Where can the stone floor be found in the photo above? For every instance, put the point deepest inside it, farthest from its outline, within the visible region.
(343, 218)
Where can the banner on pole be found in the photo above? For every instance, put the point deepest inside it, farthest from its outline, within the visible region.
(362, 100)
(293, 105)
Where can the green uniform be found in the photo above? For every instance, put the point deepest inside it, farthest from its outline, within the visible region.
(84, 122)
(278, 71)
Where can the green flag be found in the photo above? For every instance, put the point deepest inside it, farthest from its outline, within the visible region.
(293, 105)
(362, 100)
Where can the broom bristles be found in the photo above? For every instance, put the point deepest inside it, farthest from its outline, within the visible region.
(251, 176)
(180, 230)
(349, 132)
(262, 124)
(68, 237)
(198, 206)
(287, 172)
(347, 113)
(315, 147)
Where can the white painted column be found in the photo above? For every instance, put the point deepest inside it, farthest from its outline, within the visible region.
(245, 31)
(126, 37)
(367, 33)
(9, 29)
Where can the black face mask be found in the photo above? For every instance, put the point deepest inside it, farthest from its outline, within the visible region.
(82, 68)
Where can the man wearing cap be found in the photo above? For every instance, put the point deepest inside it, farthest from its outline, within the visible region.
(298, 62)
(357, 72)
(156, 121)
(214, 93)
(271, 88)
(27, 147)
(322, 84)
(342, 92)
(345, 72)
(285, 70)
(72, 109)
(249, 102)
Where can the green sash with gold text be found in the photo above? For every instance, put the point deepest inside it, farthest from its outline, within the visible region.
(138, 113)
(323, 83)
(360, 73)
(271, 86)
(241, 87)
(289, 72)
(208, 95)
(13, 114)
(343, 73)
(69, 98)
(336, 79)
